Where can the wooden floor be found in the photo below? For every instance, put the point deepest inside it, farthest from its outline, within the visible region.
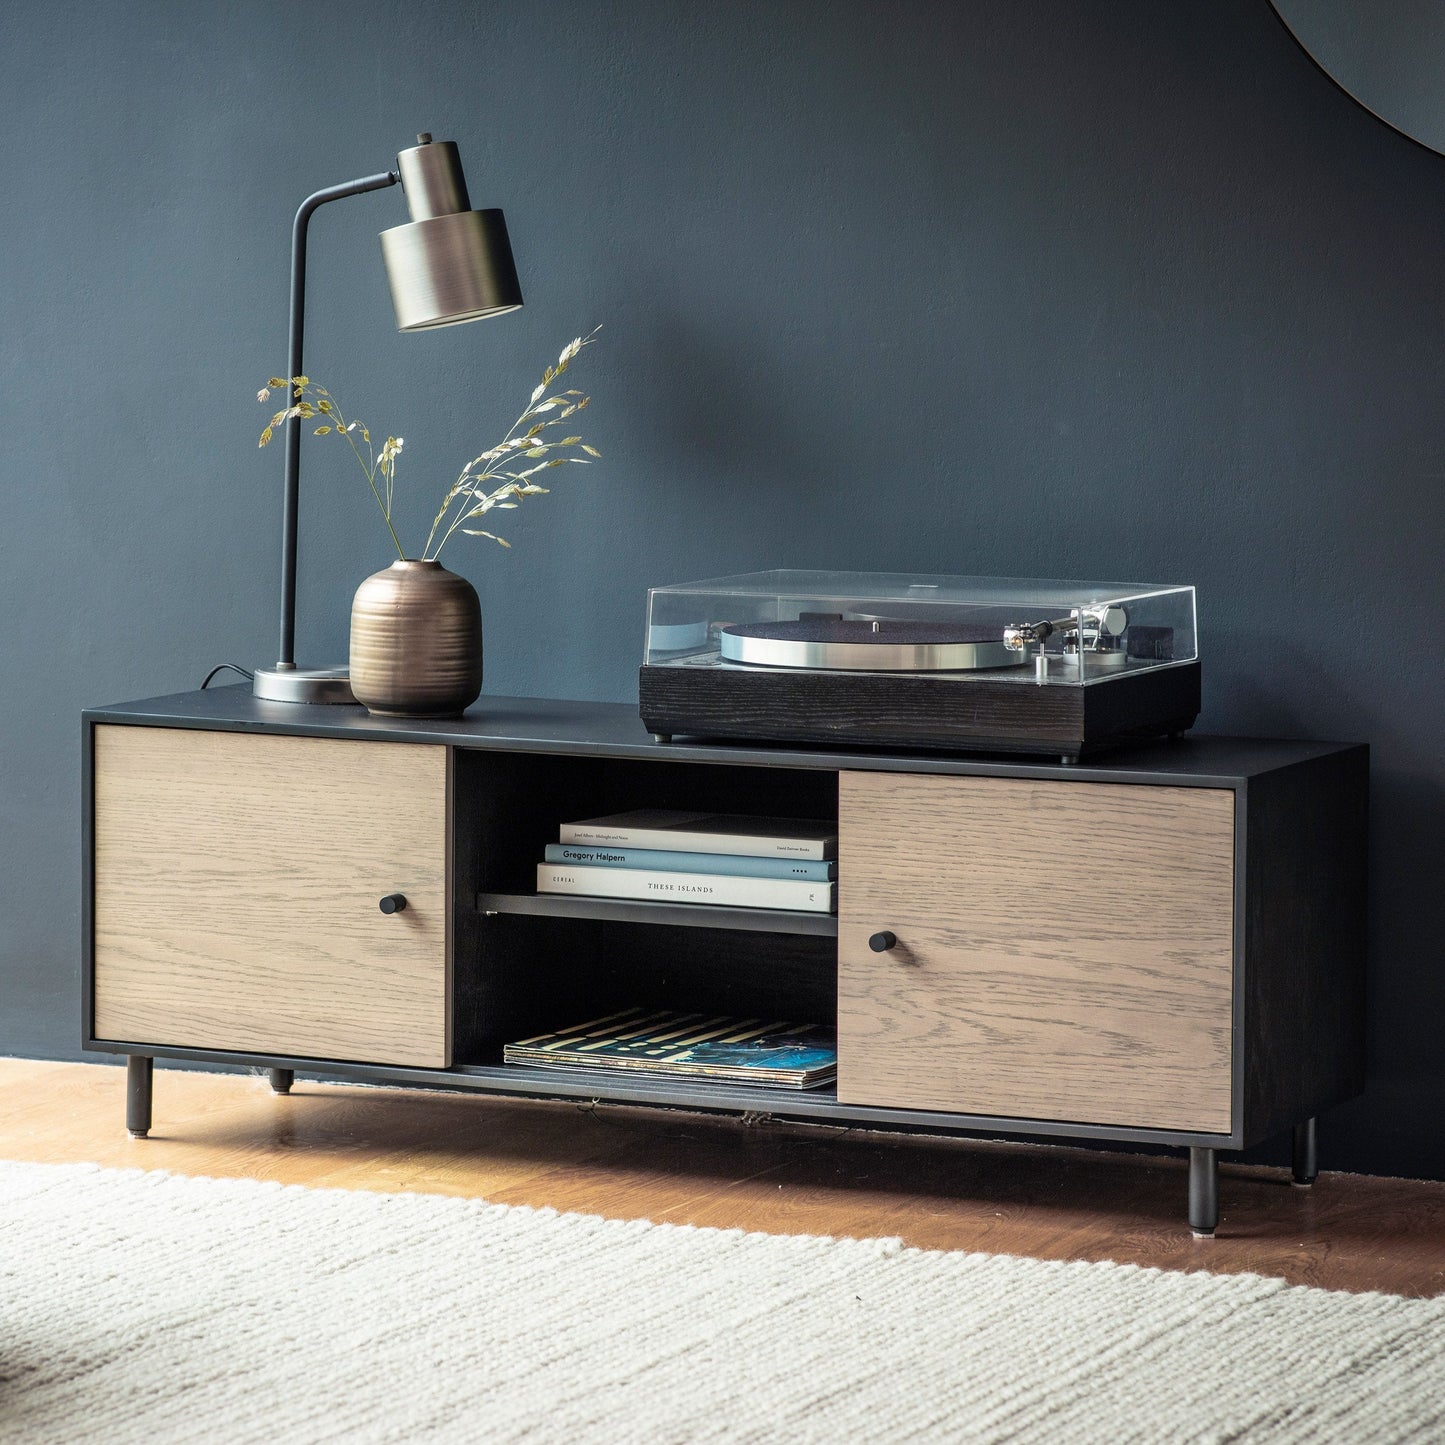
(1347, 1232)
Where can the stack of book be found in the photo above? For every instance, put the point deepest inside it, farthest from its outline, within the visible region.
(712, 858)
(689, 1046)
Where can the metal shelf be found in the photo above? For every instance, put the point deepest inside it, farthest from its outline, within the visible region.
(679, 915)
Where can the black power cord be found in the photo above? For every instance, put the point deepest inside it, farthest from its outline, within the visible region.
(224, 666)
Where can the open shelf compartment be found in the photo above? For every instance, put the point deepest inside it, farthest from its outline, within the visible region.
(527, 963)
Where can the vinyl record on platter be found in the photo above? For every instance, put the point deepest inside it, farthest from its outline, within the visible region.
(869, 645)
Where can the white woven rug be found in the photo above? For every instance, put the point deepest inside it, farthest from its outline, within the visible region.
(148, 1307)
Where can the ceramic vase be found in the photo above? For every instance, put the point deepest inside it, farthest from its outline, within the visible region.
(416, 641)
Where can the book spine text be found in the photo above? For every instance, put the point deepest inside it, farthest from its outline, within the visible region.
(657, 886)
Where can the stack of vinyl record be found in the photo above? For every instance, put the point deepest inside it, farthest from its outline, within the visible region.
(696, 1046)
(711, 858)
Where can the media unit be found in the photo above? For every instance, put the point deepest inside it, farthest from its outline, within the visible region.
(1165, 946)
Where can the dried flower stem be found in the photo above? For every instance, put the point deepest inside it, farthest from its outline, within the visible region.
(467, 486)
(466, 492)
(370, 471)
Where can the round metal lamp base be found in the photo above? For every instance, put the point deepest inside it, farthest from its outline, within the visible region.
(303, 684)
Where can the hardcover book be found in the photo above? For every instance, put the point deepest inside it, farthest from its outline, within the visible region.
(599, 855)
(655, 885)
(773, 1052)
(729, 833)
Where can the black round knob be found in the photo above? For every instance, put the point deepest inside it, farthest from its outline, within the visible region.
(393, 903)
(882, 942)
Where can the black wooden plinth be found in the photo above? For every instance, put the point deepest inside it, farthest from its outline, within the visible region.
(918, 710)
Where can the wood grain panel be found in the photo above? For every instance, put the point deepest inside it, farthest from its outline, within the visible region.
(1065, 950)
(237, 883)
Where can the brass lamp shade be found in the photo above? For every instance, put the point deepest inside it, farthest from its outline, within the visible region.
(450, 269)
(450, 263)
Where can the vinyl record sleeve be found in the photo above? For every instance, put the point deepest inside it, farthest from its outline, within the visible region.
(663, 1041)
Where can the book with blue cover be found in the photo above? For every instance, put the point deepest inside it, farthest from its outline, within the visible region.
(595, 855)
(770, 1052)
(707, 833)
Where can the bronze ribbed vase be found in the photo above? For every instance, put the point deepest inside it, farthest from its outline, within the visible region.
(416, 641)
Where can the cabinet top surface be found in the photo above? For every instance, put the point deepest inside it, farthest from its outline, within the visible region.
(609, 729)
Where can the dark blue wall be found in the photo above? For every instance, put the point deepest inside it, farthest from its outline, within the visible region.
(1015, 287)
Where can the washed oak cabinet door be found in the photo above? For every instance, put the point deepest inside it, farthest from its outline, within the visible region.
(1063, 951)
(238, 881)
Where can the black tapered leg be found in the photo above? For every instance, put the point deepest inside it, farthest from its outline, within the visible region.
(1306, 1158)
(282, 1079)
(139, 1069)
(1203, 1191)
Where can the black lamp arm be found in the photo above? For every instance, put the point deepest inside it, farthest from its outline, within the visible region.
(291, 497)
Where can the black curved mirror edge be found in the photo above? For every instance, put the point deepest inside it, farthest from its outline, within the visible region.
(1387, 55)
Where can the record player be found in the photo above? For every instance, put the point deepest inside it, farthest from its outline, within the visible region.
(958, 664)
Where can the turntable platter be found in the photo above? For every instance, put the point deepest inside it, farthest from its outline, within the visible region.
(866, 645)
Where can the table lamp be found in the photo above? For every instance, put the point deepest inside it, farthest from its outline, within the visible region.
(449, 264)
